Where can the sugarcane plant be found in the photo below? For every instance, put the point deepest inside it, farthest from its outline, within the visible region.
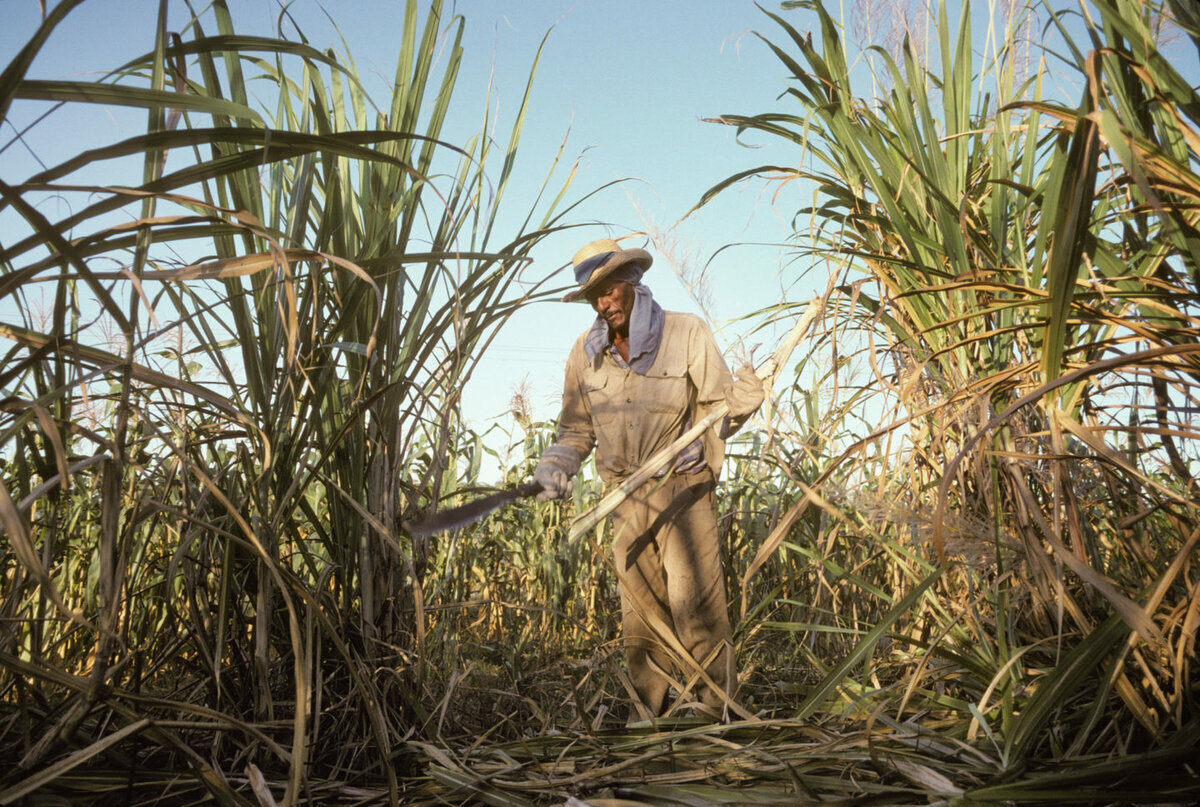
(244, 375)
(960, 555)
(1017, 269)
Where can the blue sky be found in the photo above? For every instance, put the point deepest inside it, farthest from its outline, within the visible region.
(625, 83)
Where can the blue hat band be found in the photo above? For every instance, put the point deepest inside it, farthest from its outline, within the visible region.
(584, 270)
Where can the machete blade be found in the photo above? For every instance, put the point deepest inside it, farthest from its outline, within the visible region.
(461, 516)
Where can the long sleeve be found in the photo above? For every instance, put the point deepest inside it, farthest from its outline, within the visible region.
(710, 376)
(575, 428)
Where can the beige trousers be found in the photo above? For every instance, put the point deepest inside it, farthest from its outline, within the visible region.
(669, 567)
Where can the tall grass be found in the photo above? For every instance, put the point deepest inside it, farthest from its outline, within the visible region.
(203, 513)
(1018, 286)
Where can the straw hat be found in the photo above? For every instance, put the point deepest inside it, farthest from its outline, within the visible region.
(599, 259)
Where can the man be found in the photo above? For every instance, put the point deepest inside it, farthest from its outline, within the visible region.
(635, 381)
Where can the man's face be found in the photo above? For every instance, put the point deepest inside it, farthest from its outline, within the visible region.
(613, 301)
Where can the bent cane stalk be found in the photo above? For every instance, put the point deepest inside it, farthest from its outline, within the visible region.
(765, 371)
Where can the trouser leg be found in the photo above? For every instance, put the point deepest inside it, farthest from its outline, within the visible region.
(669, 567)
(696, 587)
(643, 602)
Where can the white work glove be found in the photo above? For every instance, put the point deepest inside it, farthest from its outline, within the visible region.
(745, 393)
(558, 464)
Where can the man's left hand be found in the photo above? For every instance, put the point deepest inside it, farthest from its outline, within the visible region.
(745, 394)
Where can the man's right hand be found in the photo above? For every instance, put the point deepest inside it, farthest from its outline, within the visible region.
(558, 464)
(555, 483)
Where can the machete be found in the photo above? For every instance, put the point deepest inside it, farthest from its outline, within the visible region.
(470, 512)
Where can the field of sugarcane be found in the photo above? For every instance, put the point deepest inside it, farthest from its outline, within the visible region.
(960, 541)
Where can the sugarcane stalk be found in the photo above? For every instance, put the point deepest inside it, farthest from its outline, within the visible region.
(765, 371)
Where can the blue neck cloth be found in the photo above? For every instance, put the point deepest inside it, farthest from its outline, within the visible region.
(645, 324)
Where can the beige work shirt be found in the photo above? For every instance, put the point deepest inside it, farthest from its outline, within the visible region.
(629, 417)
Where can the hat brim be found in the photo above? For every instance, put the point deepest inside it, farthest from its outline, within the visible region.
(639, 256)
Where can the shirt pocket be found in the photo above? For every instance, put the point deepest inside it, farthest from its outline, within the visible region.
(665, 389)
(601, 392)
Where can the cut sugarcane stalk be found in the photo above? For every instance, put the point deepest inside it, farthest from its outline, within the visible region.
(765, 371)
